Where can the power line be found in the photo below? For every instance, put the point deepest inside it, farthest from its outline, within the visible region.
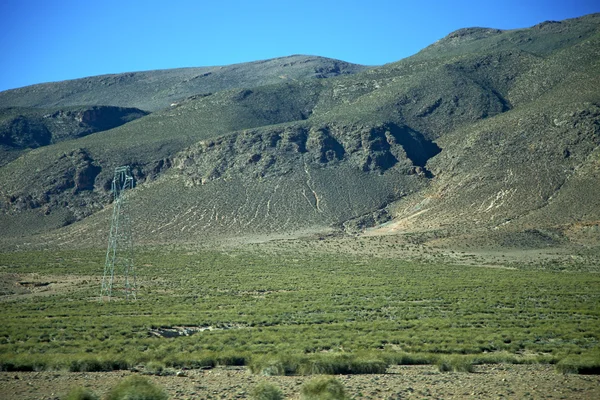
(119, 272)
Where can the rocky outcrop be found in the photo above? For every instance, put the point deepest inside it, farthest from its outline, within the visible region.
(276, 151)
(22, 128)
(24, 132)
(68, 184)
(361, 223)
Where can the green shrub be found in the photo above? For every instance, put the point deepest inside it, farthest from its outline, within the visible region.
(24, 362)
(232, 359)
(323, 388)
(341, 365)
(81, 393)
(368, 366)
(495, 358)
(579, 365)
(14, 366)
(282, 365)
(154, 368)
(409, 359)
(136, 388)
(266, 391)
(318, 365)
(86, 365)
(455, 364)
(92, 364)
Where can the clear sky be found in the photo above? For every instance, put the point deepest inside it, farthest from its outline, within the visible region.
(52, 40)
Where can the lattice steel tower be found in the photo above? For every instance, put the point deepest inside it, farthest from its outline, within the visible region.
(119, 273)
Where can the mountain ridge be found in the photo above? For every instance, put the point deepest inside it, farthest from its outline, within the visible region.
(475, 138)
(157, 89)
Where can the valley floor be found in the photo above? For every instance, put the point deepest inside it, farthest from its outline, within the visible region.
(317, 299)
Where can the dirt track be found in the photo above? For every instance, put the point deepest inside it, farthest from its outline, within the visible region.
(489, 381)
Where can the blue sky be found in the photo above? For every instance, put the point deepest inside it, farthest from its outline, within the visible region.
(44, 40)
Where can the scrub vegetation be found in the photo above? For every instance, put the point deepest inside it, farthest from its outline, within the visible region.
(312, 314)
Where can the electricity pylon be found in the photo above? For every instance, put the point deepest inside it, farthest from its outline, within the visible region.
(119, 273)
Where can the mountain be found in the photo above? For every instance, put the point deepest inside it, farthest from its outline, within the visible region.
(154, 90)
(486, 135)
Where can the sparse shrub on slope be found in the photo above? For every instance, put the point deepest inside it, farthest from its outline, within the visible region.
(455, 364)
(584, 364)
(316, 365)
(157, 368)
(136, 388)
(95, 364)
(400, 358)
(282, 365)
(232, 358)
(323, 388)
(266, 391)
(342, 364)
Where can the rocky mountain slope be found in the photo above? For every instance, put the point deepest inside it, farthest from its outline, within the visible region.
(486, 133)
(154, 90)
(27, 128)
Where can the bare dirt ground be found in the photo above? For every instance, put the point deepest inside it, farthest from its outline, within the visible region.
(401, 382)
(19, 286)
(570, 257)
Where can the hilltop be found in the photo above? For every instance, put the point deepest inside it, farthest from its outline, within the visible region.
(485, 137)
(154, 90)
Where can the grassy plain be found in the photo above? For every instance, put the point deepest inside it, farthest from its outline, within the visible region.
(293, 313)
